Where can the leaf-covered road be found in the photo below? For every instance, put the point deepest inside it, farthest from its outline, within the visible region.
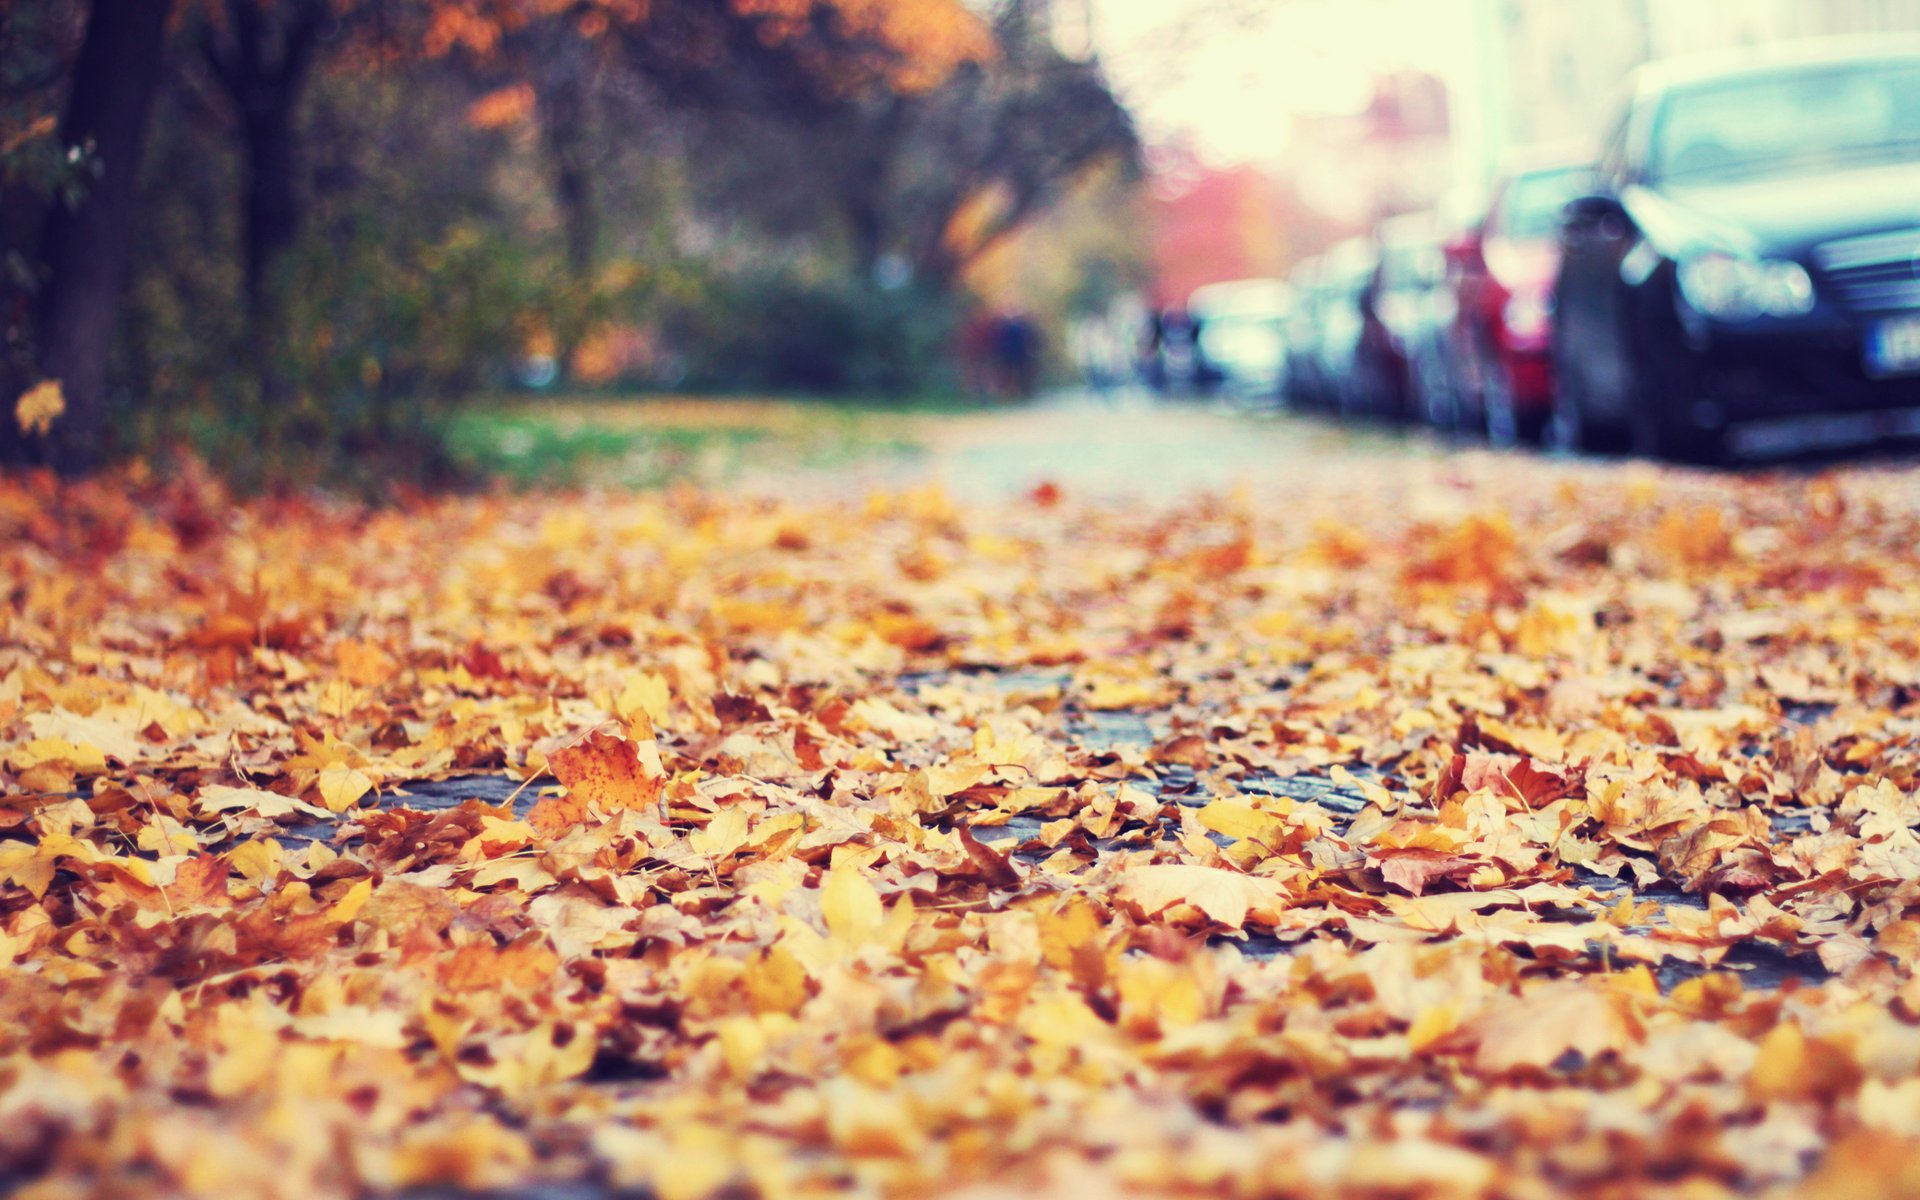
(1391, 824)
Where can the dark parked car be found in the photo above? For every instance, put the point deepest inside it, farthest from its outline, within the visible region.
(1502, 272)
(1750, 257)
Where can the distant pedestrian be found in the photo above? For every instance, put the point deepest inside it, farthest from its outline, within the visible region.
(1016, 355)
(977, 353)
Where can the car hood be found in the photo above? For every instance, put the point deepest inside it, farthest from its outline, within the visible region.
(1780, 217)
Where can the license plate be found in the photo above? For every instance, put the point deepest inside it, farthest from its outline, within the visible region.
(1893, 347)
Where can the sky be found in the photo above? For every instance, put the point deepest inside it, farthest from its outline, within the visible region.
(1227, 74)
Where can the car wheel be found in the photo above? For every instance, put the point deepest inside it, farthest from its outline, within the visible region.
(1660, 432)
(1572, 426)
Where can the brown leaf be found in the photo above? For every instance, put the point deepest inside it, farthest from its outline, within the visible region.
(1414, 870)
(993, 867)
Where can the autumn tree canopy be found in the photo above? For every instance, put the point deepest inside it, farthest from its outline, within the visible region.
(331, 174)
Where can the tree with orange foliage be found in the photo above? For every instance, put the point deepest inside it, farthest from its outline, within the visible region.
(935, 177)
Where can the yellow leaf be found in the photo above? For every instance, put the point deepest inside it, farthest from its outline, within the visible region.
(347, 907)
(40, 752)
(1224, 896)
(114, 739)
(646, 693)
(866, 1121)
(743, 1043)
(221, 798)
(776, 981)
(38, 406)
(1431, 1025)
(723, 834)
(1239, 820)
(256, 860)
(525, 874)
(850, 905)
(944, 781)
(342, 786)
(1157, 993)
(1108, 695)
(27, 866)
(1375, 794)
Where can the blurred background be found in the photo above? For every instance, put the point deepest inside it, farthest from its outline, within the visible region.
(314, 238)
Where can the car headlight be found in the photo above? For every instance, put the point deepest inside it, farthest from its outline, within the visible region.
(1527, 315)
(1730, 288)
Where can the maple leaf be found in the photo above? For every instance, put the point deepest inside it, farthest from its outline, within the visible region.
(201, 882)
(603, 772)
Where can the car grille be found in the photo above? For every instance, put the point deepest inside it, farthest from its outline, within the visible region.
(1873, 274)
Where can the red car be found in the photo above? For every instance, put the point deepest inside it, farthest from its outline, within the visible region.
(1502, 272)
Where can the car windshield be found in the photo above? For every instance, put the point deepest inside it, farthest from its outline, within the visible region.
(1533, 200)
(1808, 119)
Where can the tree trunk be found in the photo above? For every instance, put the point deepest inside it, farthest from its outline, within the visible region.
(271, 227)
(84, 249)
(872, 142)
(263, 62)
(566, 137)
(568, 151)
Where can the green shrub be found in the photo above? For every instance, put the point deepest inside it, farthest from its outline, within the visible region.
(786, 331)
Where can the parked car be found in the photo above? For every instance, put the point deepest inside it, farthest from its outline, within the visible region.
(1750, 255)
(1502, 272)
(1345, 314)
(1302, 385)
(1241, 328)
(1412, 310)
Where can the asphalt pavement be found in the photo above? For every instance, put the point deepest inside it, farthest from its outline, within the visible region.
(1119, 443)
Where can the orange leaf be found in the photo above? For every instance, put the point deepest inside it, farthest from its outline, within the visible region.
(604, 772)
